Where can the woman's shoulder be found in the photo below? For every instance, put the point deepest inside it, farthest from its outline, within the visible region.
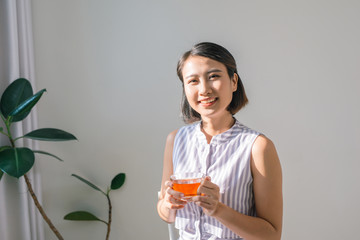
(182, 132)
(264, 151)
(171, 136)
(188, 129)
(246, 131)
(262, 143)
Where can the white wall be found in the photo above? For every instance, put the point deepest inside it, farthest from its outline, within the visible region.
(109, 68)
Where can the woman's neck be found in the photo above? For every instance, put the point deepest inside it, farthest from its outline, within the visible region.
(214, 126)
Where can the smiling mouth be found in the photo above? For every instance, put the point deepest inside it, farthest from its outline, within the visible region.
(208, 101)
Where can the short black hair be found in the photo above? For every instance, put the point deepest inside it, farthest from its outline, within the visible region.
(222, 55)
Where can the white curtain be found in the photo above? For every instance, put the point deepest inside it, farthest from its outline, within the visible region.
(19, 218)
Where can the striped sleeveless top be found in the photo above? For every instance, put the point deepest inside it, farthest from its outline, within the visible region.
(227, 161)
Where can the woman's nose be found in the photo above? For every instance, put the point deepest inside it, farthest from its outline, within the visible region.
(205, 88)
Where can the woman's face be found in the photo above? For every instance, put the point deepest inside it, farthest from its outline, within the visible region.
(208, 87)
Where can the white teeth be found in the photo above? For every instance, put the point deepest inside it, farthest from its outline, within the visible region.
(208, 101)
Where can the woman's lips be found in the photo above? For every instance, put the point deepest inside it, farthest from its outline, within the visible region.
(207, 101)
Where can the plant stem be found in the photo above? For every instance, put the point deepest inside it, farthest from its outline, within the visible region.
(8, 124)
(41, 210)
(18, 138)
(5, 133)
(109, 220)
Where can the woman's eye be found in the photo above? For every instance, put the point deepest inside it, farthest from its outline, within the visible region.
(214, 76)
(192, 81)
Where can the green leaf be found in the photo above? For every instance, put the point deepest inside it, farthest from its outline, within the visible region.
(118, 181)
(50, 134)
(16, 161)
(88, 183)
(4, 147)
(49, 154)
(26, 106)
(82, 216)
(17, 92)
(1, 174)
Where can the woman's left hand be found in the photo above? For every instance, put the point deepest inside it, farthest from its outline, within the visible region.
(208, 198)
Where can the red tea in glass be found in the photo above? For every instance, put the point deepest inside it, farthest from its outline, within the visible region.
(187, 183)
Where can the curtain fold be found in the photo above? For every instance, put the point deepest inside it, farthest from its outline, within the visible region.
(19, 218)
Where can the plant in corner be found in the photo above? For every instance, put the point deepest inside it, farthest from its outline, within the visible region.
(16, 103)
(116, 183)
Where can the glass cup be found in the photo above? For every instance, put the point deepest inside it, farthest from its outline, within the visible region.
(187, 183)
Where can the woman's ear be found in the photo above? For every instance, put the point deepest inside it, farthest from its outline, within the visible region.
(234, 81)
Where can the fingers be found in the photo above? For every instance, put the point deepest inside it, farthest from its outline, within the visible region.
(209, 195)
(173, 199)
(208, 198)
(171, 192)
(174, 194)
(172, 203)
(207, 188)
(208, 204)
(168, 184)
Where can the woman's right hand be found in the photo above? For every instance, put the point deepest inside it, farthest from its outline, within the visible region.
(173, 199)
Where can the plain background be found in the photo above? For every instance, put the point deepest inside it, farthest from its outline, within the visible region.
(109, 68)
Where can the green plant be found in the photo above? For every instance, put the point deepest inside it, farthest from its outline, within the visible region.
(116, 183)
(16, 103)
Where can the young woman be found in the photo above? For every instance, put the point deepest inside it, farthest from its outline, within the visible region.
(241, 195)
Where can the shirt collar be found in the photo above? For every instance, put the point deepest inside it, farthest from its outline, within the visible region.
(220, 138)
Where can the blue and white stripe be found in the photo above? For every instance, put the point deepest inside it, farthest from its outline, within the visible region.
(227, 161)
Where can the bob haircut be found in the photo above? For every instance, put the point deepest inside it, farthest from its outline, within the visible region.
(222, 55)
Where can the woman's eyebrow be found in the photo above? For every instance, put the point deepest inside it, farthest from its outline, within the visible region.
(191, 75)
(208, 72)
(213, 70)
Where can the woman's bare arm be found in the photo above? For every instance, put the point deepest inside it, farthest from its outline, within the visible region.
(169, 200)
